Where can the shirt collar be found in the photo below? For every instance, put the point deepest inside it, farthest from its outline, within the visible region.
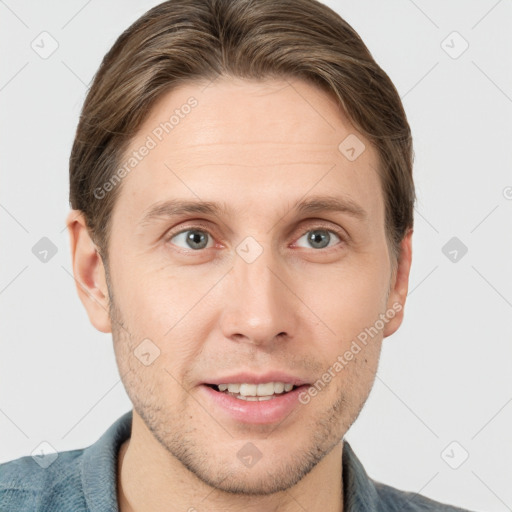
(99, 466)
(359, 493)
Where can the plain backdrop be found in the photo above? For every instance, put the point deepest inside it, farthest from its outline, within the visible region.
(439, 418)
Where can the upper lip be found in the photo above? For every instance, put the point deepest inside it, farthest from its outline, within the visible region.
(253, 378)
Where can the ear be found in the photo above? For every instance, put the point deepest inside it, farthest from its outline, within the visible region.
(89, 272)
(399, 285)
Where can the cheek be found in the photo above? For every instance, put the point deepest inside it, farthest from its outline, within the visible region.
(349, 305)
(150, 299)
(161, 305)
(347, 301)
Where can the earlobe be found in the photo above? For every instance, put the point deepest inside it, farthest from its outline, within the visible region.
(89, 272)
(400, 285)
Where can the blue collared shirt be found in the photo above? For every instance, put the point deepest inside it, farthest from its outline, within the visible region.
(85, 480)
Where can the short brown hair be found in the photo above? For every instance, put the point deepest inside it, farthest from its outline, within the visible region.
(181, 41)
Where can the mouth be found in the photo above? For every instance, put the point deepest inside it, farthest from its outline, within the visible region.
(255, 404)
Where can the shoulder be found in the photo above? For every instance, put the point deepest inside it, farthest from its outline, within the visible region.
(77, 480)
(396, 500)
(30, 484)
(363, 493)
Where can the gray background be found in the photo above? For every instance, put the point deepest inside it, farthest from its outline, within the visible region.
(444, 377)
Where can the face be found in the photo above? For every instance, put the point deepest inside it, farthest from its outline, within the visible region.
(255, 284)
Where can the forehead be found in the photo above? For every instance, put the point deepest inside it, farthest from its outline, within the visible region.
(247, 143)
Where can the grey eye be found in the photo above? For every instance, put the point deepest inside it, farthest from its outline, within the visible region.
(319, 238)
(191, 239)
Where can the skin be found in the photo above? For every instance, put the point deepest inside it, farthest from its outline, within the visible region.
(211, 313)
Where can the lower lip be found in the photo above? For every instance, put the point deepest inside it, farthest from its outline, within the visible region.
(267, 411)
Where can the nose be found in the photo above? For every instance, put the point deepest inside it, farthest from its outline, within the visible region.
(259, 306)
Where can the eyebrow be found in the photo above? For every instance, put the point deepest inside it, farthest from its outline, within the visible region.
(316, 204)
(174, 207)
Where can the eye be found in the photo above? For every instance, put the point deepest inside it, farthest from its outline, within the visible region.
(193, 238)
(196, 238)
(319, 238)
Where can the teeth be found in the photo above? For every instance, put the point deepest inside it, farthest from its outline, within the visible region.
(248, 389)
(278, 387)
(253, 391)
(254, 398)
(233, 388)
(265, 389)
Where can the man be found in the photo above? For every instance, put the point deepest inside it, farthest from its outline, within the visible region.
(242, 211)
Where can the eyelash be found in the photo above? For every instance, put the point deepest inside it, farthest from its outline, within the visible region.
(341, 235)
